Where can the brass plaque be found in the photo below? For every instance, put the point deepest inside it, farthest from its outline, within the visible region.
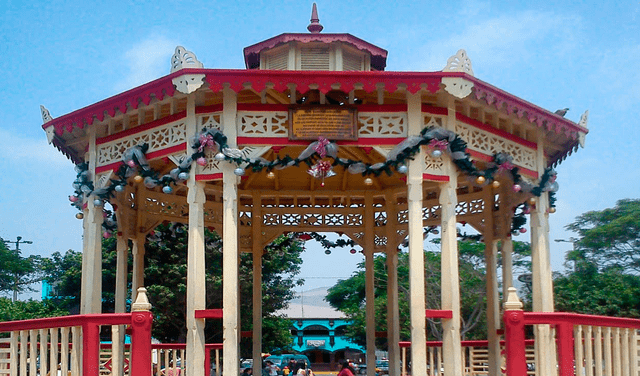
(333, 123)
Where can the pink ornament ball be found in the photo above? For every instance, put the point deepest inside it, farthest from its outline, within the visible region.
(131, 163)
(202, 161)
(353, 251)
(523, 230)
(517, 187)
(73, 198)
(106, 235)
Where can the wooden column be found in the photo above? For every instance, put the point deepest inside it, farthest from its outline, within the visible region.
(542, 285)
(117, 331)
(370, 308)
(416, 248)
(256, 227)
(450, 278)
(506, 249)
(230, 287)
(91, 290)
(196, 288)
(137, 279)
(493, 298)
(393, 320)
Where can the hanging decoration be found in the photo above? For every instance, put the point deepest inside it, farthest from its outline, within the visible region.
(317, 156)
(324, 242)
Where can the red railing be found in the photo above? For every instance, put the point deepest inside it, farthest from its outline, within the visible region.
(139, 321)
(586, 344)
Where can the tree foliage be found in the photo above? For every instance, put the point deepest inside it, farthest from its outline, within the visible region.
(348, 295)
(609, 238)
(166, 282)
(17, 273)
(605, 275)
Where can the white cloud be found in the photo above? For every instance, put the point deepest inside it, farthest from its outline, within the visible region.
(20, 150)
(501, 40)
(146, 61)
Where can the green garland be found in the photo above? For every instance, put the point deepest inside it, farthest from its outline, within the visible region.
(437, 139)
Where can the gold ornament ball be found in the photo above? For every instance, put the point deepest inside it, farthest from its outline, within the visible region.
(480, 180)
(138, 179)
(495, 184)
(79, 215)
(532, 201)
(368, 181)
(552, 210)
(271, 175)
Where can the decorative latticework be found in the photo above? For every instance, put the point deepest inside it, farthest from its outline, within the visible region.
(488, 143)
(382, 124)
(158, 138)
(210, 121)
(263, 124)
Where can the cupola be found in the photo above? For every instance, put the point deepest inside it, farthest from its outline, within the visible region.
(315, 51)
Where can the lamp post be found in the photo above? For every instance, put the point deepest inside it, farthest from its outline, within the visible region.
(17, 254)
(573, 241)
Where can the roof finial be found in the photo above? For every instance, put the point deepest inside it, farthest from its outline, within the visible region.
(315, 27)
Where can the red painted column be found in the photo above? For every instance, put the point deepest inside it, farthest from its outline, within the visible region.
(141, 343)
(207, 361)
(564, 333)
(514, 342)
(90, 349)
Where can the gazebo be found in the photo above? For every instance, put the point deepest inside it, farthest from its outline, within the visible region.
(315, 136)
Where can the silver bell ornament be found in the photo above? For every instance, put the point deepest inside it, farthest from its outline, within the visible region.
(239, 171)
(437, 153)
(97, 202)
(119, 188)
(220, 157)
(403, 169)
(167, 189)
(183, 175)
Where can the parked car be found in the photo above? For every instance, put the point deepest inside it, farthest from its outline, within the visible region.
(283, 360)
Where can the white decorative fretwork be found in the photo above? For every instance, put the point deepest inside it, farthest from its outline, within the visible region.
(213, 166)
(160, 138)
(263, 124)
(433, 166)
(183, 58)
(457, 86)
(489, 144)
(186, 83)
(459, 62)
(584, 122)
(381, 124)
(103, 179)
(46, 116)
(210, 121)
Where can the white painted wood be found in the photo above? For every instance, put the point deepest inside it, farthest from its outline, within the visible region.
(196, 293)
(256, 224)
(393, 320)
(450, 279)
(76, 350)
(230, 291)
(416, 250)
(506, 250)
(370, 313)
(91, 293)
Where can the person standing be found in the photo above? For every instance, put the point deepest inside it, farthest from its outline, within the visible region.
(346, 370)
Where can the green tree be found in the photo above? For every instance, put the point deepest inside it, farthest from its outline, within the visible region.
(166, 275)
(31, 309)
(604, 278)
(17, 273)
(609, 238)
(348, 295)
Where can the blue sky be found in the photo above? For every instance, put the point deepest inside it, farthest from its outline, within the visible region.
(69, 54)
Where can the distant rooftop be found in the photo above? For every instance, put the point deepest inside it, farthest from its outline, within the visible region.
(311, 305)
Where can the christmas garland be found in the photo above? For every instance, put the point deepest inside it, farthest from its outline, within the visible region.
(436, 139)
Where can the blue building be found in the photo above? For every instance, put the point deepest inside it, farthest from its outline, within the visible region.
(318, 331)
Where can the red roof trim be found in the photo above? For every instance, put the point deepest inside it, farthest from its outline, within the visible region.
(141, 128)
(498, 132)
(258, 79)
(489, 158)
(252, 53)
